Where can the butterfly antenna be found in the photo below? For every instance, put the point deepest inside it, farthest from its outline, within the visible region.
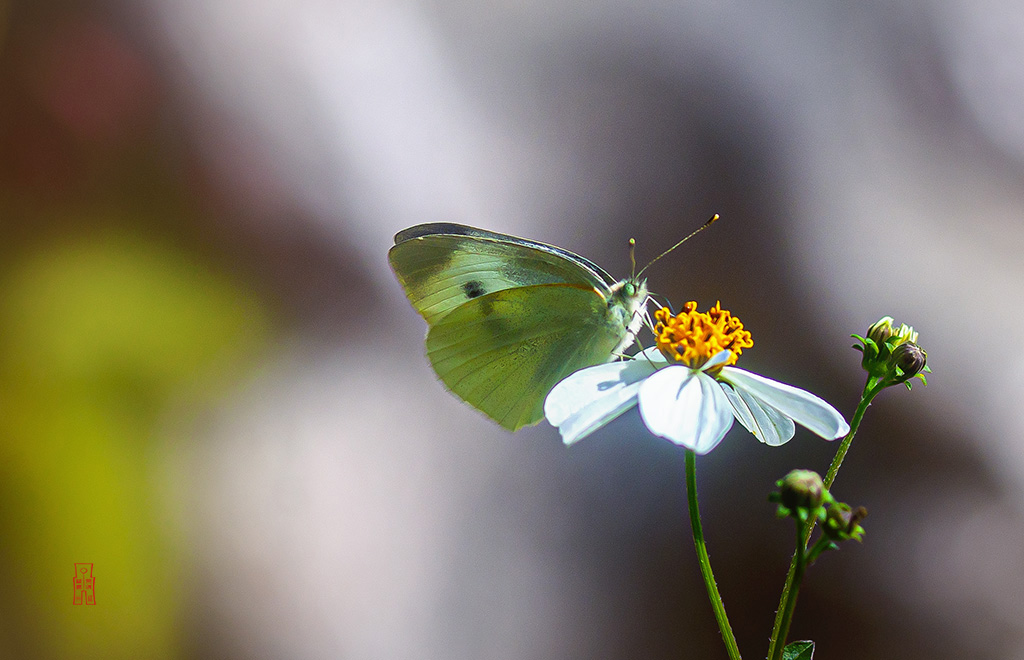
(632, 258)
(704, 226)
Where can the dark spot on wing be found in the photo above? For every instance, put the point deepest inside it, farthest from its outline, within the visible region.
(473, 289)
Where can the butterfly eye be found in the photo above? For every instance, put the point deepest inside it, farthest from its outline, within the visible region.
(629, 289)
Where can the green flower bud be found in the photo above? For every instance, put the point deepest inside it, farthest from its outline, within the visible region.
(802, 488)
(842, 522)
(904, 335)
(891, 354)
(877, 346)
(907, 360)
(801, 493)
(881, 330)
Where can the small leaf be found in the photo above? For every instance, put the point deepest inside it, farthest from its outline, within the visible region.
(798, 651)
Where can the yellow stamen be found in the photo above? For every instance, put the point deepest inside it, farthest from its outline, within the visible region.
(692, 337)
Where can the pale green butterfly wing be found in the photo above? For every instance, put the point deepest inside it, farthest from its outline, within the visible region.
(503, 352)
(442, 266)
(510, 317)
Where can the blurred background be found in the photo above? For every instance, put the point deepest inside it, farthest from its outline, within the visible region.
(213, 389)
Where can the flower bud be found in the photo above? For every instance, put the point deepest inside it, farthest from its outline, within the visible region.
(905, 334)
(881, 330)
(842, 522)
(801, 494)
(891, 354)
(910, 359)
(802, 489)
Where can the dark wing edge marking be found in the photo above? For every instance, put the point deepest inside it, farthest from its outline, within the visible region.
(453, 229)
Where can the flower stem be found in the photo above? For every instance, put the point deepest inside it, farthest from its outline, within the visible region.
(788, 604)
(705, 562)
(782, 620)
(820, 546)
(870, 391)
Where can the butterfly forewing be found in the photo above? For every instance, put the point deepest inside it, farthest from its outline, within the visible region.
(504, 351)
(440, 272)
(452, 229)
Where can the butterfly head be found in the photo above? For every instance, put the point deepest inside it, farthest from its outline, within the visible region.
(629, 303)
(630, 292)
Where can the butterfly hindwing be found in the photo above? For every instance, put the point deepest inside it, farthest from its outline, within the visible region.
(441, 271)
(504, 351)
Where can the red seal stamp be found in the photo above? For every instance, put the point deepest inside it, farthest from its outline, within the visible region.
(85, 585)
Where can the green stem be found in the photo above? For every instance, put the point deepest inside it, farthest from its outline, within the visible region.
(870, 391)
(778, 638)
(788, 605)
(705, 562)
(820, 546)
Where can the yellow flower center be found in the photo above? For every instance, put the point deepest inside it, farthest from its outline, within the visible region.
(692, 337)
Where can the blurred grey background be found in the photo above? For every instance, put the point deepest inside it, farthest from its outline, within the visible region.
(212, 387)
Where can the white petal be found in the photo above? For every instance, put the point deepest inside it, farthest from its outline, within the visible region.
(689, 408)
(766, 423)
(590, 398)
(598, 413)
(776, 427)
(580, 389)
(652, 354)
(721, 357)
(801, 406)
(742, 411)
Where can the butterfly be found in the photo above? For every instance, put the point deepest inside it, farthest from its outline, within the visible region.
(509, 317)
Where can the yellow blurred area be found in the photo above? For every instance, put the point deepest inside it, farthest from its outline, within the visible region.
(100, 331)
(97, 310)
(120, 326)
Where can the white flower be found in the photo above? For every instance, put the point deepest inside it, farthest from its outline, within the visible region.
(692, 404)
